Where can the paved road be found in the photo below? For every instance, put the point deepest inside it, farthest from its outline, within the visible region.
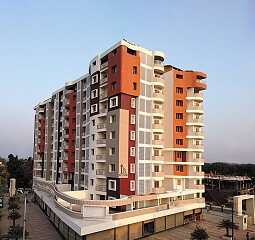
(37, 224)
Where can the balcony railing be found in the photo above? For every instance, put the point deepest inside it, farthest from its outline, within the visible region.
(101, 188)
(101, 141)
(100, 172)
(103, 95)
(103, 110)
(101, 126)
(158, 110)
(101, 156)
(158, 190)
(157, 158)
(158, 126)
(104, 65)
(157, 174)
(158, 142)
(104, 80)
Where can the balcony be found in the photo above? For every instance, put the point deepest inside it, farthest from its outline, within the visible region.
(100, 172)
(195, 109)
(101, 126)
(104, 65)
(195, 96)
(157, 158)
(103, 95)
(159, 66)
(65, 181)
(103, 110)
(65, 169)
(101, 141)
(158, 174)
(101, 188)
(197, 174)
(200, 187)
(158, 112)
(157, 127)
(158, 190)
(101, 157)
(195, 122)
(103, 80)
(41, 110)
(159, 97)
(195, 135)
(159, 142)
(158, 81)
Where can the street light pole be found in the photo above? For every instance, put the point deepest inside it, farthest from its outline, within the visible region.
(25, 212)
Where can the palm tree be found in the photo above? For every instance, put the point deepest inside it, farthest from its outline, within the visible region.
(199, 234)
(13, 200)
(16, 232)
(14, 216)
(226, 223)
(13, 206)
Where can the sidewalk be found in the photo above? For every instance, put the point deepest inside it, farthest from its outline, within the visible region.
(210, 223)
(37, 225)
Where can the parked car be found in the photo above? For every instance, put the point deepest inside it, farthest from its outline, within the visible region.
(20, 190)
(1, 202)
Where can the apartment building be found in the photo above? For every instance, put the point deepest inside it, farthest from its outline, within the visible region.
(129, 129)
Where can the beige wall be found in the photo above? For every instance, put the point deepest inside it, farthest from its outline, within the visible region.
(160, 224)
(135, 230)
(104, 235)
(179, 219)
(122, 233)
(120, 142)
(170, 221)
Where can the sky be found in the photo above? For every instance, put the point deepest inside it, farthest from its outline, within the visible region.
(44, 44)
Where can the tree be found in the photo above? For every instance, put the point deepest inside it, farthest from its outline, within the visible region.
(199, 234)
(13, 206)
(21, 170)
(16, 232)
(14, 216)
(13, 200)
(226, 223)
(3, 174)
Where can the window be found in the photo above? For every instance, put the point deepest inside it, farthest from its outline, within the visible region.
(112, 151)
(132, 151)
(197, 129)
(132, 168)
(132, 102)
(92, 151)
(94, 93)
(179, 90)
(156, 152)
(112, 134)
(112, 185)
(92, 166)
(132, 119)
(197, 169)
(179, 168)
(134, 86)
(94, 63)
(156, 168)
(130, 51)
(114, 52)
(112, 168)
(114, 102)
(113, 84)
(179, 129)
(94, 108)
(134, 70)
(93, 122)
(91, 182)
(178, 154)
(156, 137)
(179, 76)
(93, 137)
(179, 115)
(132, 135)
(179, 141)
(94, 79)
(112, 118)
(114, 69)
(179, 182)
(179, 103)
(197, 142)
(132, 185)
(197, 182)
(197, 155)
(156, 184)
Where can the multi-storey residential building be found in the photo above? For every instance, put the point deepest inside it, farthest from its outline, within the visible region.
(129, 129)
